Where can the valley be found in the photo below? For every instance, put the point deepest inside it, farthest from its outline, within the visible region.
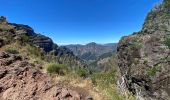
(34, 67)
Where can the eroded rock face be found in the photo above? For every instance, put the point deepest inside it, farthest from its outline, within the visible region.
(23, 29)
(43, 42)
(24, 34)
(143, 57)
(20, 80)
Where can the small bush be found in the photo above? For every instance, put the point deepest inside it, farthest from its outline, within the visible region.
(57, 68)
(25, 38)
(82, 72)
(152, 72)
(167, 42)
(11, 50)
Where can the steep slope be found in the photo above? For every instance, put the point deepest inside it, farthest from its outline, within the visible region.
(92, 51)
(20, 80)
(104, 63)
(143, 57)
(11, 33)
(23, 56)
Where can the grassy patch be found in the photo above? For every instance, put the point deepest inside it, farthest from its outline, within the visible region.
(106, 83)
(105, 78)
(34, 51)
(82, 72)
(152, 72)
(6, 27)
(12, 50)
(57, 68)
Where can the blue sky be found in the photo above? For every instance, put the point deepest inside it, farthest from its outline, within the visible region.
(79, 21)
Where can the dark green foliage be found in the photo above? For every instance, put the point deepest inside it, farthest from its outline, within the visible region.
(152, 72)
(57, 68)
(82, 72)
(167, 4)
(25, 38)
(11, 50)
(135, 46)
(135, 42)
(167, 42)
(135, 33)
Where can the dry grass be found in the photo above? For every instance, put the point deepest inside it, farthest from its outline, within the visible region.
(83, 86)
(72, 80)
(24, 51)
(6, 27)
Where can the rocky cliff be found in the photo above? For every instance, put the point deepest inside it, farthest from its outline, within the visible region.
(11, 32)
(144, 57)
(20, 80)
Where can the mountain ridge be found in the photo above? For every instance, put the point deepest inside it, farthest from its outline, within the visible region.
(92, 50)
(19, 32)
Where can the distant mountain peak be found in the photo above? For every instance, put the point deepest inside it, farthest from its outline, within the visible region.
(91, 44)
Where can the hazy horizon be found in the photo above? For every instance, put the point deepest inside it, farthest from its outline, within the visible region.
(85, 43)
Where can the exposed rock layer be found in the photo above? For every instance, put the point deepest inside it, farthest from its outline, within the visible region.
(144, 56)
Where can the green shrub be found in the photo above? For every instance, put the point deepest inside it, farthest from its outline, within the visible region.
(11, 50)
(25, 38)
(167, 42)
(82, 72)
(152, 72)
(135, 42)
(57, 68)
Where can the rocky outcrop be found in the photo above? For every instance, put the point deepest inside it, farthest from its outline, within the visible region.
(11, 32)
(143, 57)
(43, 42)
(23, 29)
(3, 19)
(20, 80)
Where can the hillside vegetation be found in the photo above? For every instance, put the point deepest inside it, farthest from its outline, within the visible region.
(46, 70)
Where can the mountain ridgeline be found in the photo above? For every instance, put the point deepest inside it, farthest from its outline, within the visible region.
(13, 33)
(93, 51)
